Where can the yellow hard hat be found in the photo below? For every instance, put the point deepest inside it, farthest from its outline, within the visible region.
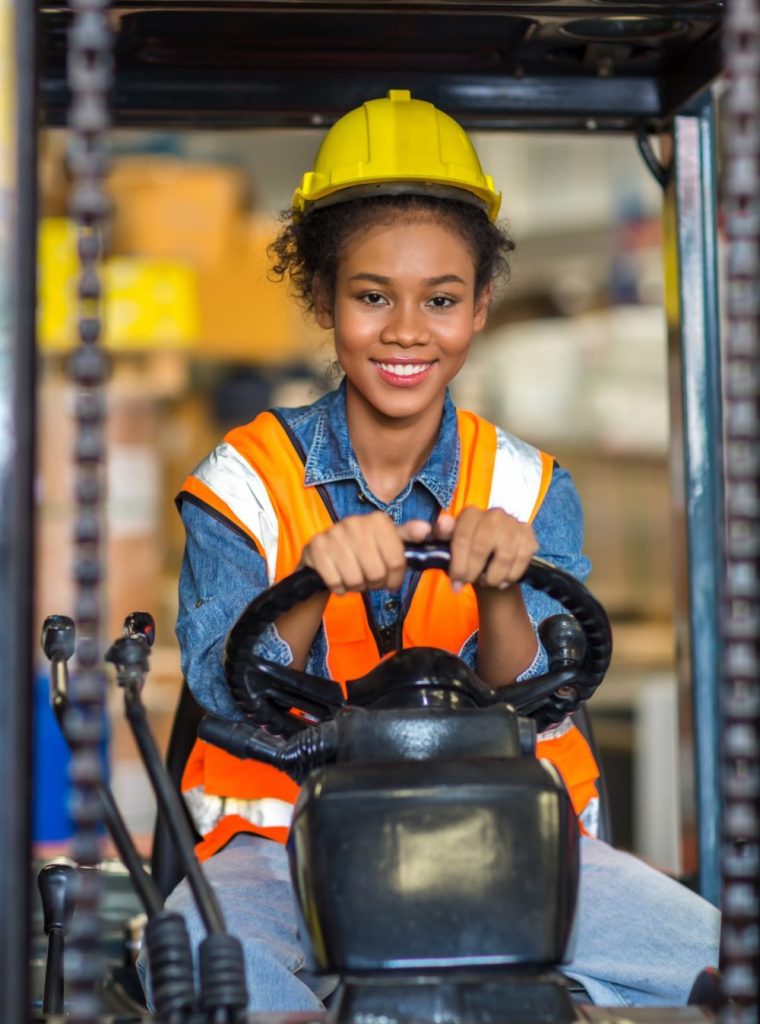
(396, 145)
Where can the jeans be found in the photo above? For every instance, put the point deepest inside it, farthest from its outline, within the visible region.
(641, 937)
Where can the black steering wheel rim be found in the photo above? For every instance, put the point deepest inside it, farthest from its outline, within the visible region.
(291, 591)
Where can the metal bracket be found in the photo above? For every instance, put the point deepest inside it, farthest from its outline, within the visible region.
(659, 171)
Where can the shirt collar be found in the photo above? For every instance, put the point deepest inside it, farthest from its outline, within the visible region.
(330, 456)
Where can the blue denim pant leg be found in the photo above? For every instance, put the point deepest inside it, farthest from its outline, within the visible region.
(251, 878)
(641, 936)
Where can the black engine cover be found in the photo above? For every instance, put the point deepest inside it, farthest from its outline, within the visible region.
(436, 863)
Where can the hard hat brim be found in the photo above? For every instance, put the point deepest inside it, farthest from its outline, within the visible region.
(400, 188)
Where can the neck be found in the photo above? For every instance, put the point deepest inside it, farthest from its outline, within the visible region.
(390, 450)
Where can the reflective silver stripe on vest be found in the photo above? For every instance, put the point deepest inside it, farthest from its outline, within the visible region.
(589, 817)
(233, 479)
(207, 810)
(517, 475)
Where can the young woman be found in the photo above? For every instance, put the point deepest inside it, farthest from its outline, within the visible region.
(392, 245)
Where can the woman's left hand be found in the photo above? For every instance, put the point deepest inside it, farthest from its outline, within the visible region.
(489, 548)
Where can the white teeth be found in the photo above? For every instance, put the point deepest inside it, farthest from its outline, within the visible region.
(403, 369)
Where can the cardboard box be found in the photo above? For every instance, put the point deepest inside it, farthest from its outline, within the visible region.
(172, 209)
(148, 303)
(245, 314)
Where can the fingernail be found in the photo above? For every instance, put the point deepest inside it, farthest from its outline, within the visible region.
(456, 585)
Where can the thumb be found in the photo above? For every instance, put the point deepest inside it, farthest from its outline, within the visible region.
(415, 530)
(444, 527)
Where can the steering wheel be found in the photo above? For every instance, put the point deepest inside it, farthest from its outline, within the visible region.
(287, 701)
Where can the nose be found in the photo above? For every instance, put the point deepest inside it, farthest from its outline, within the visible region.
(405, 326)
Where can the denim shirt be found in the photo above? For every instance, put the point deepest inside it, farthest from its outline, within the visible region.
(221, 572)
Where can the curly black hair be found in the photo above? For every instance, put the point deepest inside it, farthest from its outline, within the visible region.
(309, 247)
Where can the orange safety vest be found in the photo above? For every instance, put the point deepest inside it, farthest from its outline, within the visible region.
(255, 481)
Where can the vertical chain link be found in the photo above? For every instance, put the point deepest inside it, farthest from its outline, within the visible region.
(90, 48)
(741, 626)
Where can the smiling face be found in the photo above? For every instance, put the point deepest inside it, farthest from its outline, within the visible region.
(404, 313)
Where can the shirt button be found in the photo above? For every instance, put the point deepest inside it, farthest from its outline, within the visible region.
(391, 604)
(199, 602)
(388, 635)
(362, 498)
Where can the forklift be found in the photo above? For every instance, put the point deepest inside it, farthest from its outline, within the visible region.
(643, 69)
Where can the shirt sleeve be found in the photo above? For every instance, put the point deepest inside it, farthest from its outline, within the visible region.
(559, 531)
(221, 573)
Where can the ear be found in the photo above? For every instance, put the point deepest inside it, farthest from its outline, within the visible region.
(482, 307)
(323, 305)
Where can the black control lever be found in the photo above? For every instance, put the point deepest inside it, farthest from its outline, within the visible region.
(165, 933)
(130, 657)
(566, 685)
(57, 884)
(58, 642)
(296, 756)
(563, 640)
(141, 626)
(223, 989)
(530, 697)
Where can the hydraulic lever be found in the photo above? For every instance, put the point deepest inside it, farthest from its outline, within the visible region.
(56, 884)
(165, 934)
(223, 989)
(129, 654)
(58, 641)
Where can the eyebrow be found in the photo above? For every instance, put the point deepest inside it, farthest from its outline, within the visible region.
(430, 281)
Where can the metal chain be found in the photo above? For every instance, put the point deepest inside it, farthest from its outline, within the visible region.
(740, 836)
(90, 70)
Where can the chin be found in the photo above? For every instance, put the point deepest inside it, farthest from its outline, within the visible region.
(401, 406)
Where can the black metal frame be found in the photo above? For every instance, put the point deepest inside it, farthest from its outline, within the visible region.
(545, 64)
(691, 285)
(527, 87)
(17, 448)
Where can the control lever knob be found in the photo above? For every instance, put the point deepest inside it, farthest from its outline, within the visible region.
(564, 641)
(58, 637)
(141, 626)
(56, 884)
(126, 652)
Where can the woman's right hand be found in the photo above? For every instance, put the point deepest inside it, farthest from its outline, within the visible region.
(363, 552)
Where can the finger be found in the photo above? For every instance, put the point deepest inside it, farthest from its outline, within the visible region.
(526, 552)
(444, 526)
(461, 541)
(326, 558)
(415, 530)
(486, 539)
(392, 549)
(500, 571)
(515, 547)
(374, 544)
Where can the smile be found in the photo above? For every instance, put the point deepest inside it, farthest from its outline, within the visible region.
(403, 374)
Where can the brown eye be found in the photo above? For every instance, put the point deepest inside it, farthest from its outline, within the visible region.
(441, 301)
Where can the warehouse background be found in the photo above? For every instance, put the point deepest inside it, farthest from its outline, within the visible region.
(574, 360)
